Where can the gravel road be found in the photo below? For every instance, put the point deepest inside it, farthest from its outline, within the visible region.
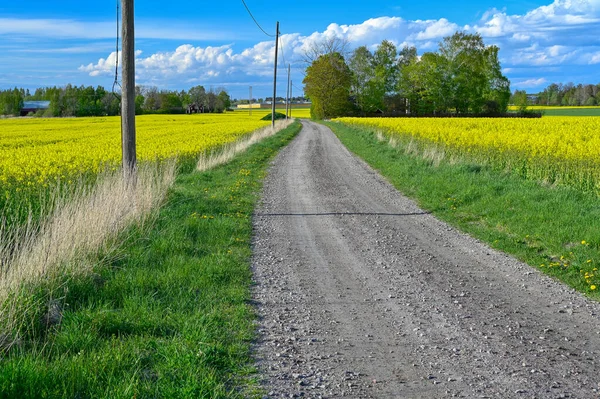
(362, 294)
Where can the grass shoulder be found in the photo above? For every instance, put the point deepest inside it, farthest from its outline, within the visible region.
(168, 315)
(555, 229)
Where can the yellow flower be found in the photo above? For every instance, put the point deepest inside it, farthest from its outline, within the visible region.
(592, 287)
(583, 242)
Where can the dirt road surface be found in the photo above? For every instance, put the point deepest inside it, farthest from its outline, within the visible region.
(362, 294)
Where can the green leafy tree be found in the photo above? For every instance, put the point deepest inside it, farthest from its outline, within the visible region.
(497, 93)
(139, 104)
(170, 102)
(520, 99)
(197, 95)
(464, 76)
(225, 99)
(327, 83)
(385, 66)
(11, 101)
(152, 101)
(367, 95)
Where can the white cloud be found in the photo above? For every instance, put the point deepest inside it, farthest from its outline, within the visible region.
(209, 62)
(561, 15)
(75, 29)
(521, 37)
(555, 35)
(434, 29)
(594, 58)
(530, 83)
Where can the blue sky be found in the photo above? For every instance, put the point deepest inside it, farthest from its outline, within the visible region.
(217, 44)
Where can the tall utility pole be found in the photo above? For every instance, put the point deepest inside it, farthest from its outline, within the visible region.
(291, 87)
(287, 95)
(275, 75)
(128, 93)
(250, 101)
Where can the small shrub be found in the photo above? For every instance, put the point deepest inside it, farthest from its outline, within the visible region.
(278, 115)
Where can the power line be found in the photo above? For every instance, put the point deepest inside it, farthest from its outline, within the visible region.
(116, 82)
(282, 51)
(255, 21)
(302, 90)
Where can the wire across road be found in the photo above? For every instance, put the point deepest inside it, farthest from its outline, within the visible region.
(371, 296)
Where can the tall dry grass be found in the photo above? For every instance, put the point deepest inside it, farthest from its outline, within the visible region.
(87, 220)
(80, 224)
(229, 151)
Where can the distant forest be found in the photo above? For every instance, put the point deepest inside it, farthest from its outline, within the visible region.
(89, 101)
(561, 94)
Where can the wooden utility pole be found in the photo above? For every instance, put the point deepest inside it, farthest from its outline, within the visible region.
(275, 76)
(287, 95)
(291, 89)
(128, 93)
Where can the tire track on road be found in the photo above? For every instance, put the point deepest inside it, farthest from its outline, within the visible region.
(362, 294)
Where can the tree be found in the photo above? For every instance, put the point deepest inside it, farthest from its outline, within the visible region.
(11, 101)
(406, 57)
(170, 102)
(325, 46)
(465, 70)
(519, 99)
(211, 101)
(385, 66)
(152, 102)
(366, 97)
(327, 83)
(139, 104)
(224, 99)
(497, 93)
(463, 76)
(422, 82)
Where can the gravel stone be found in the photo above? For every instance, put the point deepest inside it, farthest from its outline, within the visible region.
(361, 294)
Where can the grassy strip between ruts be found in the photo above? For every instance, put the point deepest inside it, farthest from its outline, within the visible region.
(169, 315)
(555, 229)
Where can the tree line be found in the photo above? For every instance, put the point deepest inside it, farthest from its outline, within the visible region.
(558, 94)
(462, 77)
(89, 101)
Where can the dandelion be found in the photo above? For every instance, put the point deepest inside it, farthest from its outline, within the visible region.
(592, 287)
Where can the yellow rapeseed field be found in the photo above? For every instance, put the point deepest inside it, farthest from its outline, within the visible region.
(39, 152)
(557, 150)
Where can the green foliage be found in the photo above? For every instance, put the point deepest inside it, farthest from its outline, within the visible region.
(224, 99)
(327, 84)
(519, 99)
(561, 111)
(385, 66)
(463, 76)
(89, 101)
(11, 101)
(570, 94)
(268, 117)
(367, 90)
(197, 94)
(171, 103)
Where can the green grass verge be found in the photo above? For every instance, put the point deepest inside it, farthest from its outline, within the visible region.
(169, 315)
(556, 229)
(571, 112)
